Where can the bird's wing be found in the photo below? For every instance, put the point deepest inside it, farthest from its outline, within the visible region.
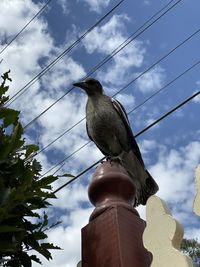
(88, 133)
(102, 151)
(123, 115)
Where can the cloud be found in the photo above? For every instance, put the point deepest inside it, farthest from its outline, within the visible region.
(197, 98)
(19, 15)
(96, 5)
(152, 80)
(23, 54)
(147, 2)
(64, 4)
(71, 197)
(68, 238)
(104, 39)
(127, 100)
(146, 148)
(27, 56)
(174, 172)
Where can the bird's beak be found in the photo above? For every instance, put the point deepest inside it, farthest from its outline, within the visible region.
(81, 85)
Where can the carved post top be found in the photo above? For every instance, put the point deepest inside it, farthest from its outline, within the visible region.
(163, 235)
(111, 185)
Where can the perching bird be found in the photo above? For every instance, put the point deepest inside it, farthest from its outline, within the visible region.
(108, 127)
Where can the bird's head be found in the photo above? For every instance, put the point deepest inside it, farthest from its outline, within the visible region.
(90, 86)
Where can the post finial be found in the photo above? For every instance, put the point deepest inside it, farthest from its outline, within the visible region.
(110, 186)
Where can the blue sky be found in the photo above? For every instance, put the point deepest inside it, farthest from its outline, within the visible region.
(171, 150)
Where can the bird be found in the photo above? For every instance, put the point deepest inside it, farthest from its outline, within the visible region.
(108, 126)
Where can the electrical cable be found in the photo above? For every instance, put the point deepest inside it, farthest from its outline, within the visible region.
(66, 51)
(127, 85)
(25, 26)
(136, 107)
(94, 69)
(66, 158)
(138, 134)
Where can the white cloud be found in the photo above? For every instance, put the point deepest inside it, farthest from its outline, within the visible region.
(96, 5)
(146, 148)
(104, 39)
(19, 14)
(23, 54)
(152, 80)
(68, 238)
(35, 48)
(64, 4)
(25, 57)
(62, 75)
(71, 196)
(192, 233)
(127, 100)
(147, 3)
(197, 98)
(174, 173)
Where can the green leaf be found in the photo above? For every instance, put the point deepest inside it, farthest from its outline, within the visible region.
(45, 218)
(49, 246)
(21, 192)
(35, 258)
(45, 253)
(44, 250)
(30, 149)
(16, 137)
(44, 182)
(66, 175)
(12, 143)
(5, 76)
(37, 167)
(25, 259)
(54, 224)
(3, 89)
(39, 235)
(4, 195)
(9, 116)
(3, 99)
(7, 247)
(7, 229)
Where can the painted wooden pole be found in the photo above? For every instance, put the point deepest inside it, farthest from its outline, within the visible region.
(113, 236)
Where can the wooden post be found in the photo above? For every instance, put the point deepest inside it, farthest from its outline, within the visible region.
(113, 236)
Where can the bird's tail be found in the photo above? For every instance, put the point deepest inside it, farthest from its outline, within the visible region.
(146, 190)
(144, 182)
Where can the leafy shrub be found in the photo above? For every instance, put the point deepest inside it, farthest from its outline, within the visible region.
(23, 193)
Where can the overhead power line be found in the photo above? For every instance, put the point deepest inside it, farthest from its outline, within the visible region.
(103, 62)
(126, 86)
(61, 55)
(25, 26)
(66, 158)
(132, 110)
(138, 134)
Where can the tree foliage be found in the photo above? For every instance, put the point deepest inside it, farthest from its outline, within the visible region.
(191, 247)
(23, 193)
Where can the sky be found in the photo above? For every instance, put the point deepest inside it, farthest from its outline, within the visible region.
(171, 149)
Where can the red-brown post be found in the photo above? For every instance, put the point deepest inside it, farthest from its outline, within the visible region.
(113, 236)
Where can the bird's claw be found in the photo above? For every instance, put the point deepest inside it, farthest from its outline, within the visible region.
(113, 159)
